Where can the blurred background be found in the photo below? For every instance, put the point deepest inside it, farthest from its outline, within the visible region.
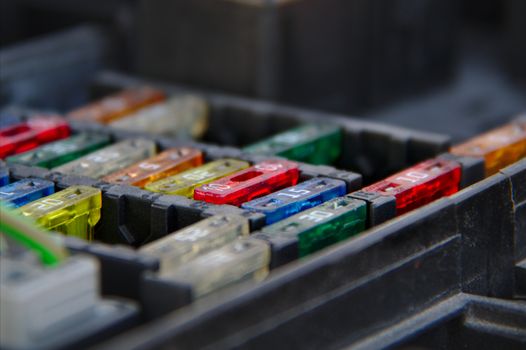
(454, 67)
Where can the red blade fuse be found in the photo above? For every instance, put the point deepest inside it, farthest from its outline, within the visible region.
(499, 147)
(420, 184)
(256, 181)
(36, 131)
(118, 105)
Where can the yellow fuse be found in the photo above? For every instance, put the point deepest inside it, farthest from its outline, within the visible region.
(241, 260)
(167, 163)
(499, 147)
(181, 116)
(195, 240)
(183, 184)
(73, 211)
(109, 159)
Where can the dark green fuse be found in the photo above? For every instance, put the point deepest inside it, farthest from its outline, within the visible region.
(311, 143)
(314, 229)
(60, 152)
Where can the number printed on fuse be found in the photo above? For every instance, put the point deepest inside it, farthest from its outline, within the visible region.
(294, 193)
(218, 187)
(198, 175)
(103, 157)
(47, 203)
(149, 166)
(316, 216)
(192, 235)
(413, 176)
(268, 166)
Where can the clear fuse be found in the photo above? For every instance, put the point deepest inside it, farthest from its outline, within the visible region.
(109, 159)
(241, 260)
(181, 246)
(180, 116)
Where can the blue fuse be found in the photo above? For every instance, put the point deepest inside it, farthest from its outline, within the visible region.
(24, 191)
(4, 176)
(289, 201)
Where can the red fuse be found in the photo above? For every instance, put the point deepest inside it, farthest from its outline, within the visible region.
(31, 134)
(420, 184)
(256, 181)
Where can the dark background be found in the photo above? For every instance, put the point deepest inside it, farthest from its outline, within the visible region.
(454, 67)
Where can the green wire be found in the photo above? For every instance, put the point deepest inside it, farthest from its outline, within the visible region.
(48, 255)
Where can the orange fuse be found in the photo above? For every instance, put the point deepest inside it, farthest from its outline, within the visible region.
(499, 147)
(167, 163)
(118, 105)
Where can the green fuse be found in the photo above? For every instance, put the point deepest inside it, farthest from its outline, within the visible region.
(314, 229)
(60, 152)
(311, 143)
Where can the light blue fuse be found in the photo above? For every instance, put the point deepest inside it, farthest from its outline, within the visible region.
(24, 191)
(4, 176)
(289, 201)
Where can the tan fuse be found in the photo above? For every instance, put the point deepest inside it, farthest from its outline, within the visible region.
(195, 240)
(244, 259)
(109, 159)
(181, 116)
(499, 147)
(167, 163)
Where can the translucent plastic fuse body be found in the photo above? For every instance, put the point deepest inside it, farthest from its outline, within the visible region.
(420, 184)
(167, 163)
(4, 176)
(256, 181)
(312, 143)
(31, 134)
(118, 105)
(499, 148)
(60, 152)
(289, 201)
(183, 184)
(109, 159)
(181, 116)
(73, 211)
(241, 260)
(195, 240)
(318, 227)
(27, 190)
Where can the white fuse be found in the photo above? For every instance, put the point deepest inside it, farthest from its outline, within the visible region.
(109, 159)
(184, 245)
(241, 260)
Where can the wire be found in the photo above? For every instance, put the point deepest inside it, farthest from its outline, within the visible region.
(26, 233)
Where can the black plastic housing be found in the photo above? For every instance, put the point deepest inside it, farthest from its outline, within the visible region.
(371, 149)
(279, 50)
(403, 282)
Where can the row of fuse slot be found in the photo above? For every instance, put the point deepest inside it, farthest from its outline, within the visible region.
(219, 251)
(143, 109)
(301, 218)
